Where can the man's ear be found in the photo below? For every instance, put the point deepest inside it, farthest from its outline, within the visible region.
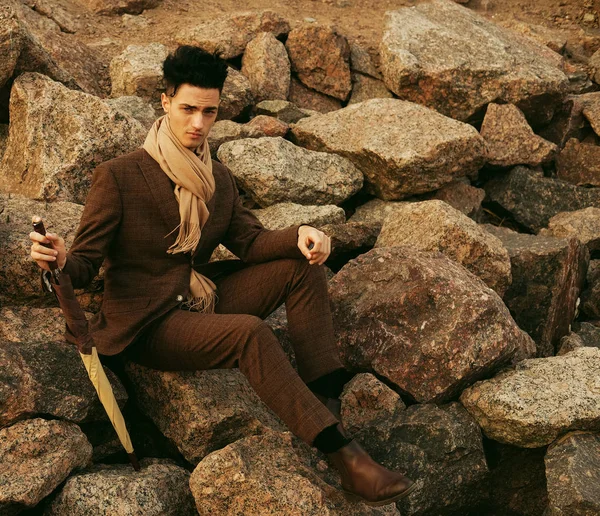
(165, 102)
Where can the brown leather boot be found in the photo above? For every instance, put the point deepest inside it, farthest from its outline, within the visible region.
(366, 481)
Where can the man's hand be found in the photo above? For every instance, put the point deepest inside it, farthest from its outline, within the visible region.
(321, 244)
(42, 255)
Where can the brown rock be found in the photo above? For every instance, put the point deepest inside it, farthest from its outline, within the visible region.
(366, 402)
(482, 63)
(3, 139)
(267, 66)
(569, 343)
(349, 240)
(12, 39)
(286, 214)
(283, 111)
(436, 226)
(236, 95)
(264, 474)
(547, 278)
(582, 224)
(201, 411)
(35, 457)
(226, 131)
(135, 107)
(159, 488)
(590, 297)
(365, 88)
(362, 62)
(510, 140)
(554, 39)
(590, 105)
(138, 71)
(19, 274)
(306, 98)
(62, 12)
(568, 122)
(375, 211)
(228, 35)
(462, 197)
(70, 132)
(424, 322)
(120, 6)
(269, 126)
(320, 56)
(402, 148)
(579, 163)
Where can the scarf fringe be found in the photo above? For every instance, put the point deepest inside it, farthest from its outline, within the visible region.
(204, 304)
(187, 239)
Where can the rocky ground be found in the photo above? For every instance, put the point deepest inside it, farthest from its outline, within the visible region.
(452, 153)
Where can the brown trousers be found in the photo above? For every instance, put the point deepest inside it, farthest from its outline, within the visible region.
(236, 336)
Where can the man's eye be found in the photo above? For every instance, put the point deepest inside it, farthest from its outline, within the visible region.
(188, 109)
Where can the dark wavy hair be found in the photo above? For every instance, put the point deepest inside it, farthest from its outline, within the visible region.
(194, 66)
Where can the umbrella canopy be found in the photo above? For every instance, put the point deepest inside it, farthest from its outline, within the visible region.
(60, 284)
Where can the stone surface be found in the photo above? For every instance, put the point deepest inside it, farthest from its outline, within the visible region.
(135, 107)
(120, 6)
(269, 126)
(200, 411)
(361, 61)
(320, 57)
(273, 170)
(19, 274)
(40, 374)
(588, 333)
(590, 297)
(510, 140)
(462, 196)
(573, 472)
(35, 457)
(579, 163)
(3, 139)
(375, 211)
(568, 343)
(286, 214)
(308, 98)
(547, 277)
(539, 399)
(590, 108)
(554, 39)
(229, 34)
(366, 402)
(159, 488)
(365, 88)
(582, 224)
(402, 148)
(421, 321)
(453, 60)
(533, 199)
(70, 133)
(284, 111)
(138, 71)
(568, 122)
(265, 475)
(349, 240)
(437, 226)
(236, 95)
(267, 66)
(226, 131)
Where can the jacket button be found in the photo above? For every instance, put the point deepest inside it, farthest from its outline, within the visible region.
(179, 298)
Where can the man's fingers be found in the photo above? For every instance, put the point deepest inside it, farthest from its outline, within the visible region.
(38, 237)
(42, 257)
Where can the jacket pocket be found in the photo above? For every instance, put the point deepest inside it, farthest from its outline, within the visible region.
(113, 306)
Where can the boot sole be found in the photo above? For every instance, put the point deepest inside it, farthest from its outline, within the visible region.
(355, 498)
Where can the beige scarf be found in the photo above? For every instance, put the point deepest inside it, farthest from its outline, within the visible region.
(194, 186)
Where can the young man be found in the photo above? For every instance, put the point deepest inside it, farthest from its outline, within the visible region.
(154, 217)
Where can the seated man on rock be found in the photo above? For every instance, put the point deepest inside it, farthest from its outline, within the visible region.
(154, 217)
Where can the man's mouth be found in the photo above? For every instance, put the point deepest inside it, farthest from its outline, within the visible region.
(195, 135)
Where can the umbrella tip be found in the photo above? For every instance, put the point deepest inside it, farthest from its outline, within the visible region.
(36, 218)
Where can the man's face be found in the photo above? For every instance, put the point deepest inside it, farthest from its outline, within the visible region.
(192, 113)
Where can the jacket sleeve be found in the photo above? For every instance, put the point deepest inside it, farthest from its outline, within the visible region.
(99, 223)
(250, 241)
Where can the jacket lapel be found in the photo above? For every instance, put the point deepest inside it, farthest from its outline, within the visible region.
(162, 191)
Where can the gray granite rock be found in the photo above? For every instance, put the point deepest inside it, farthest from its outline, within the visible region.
(135, 107)
(283, 110)
(402, 148)
(236, 95)
(421, 321)
(375, 211)
(273, 170)
(538, 400)
(286, 214)
(365, 88)
(35, 457)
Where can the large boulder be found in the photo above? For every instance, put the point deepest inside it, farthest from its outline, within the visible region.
(273, 170)
(40, 374)
(421, 321)
(135, 107)
(533, 199)
(284, 111)
(510, 140)
(402, 148)
(582, 224)
(35, 457)
(455, 61)
(236, 95)
(437, 226)
(138, 71)
(547, 278)
(538, 400)
(229, 34)
(365, 88)
(120, 6)
(286, 214)
(375, 211)
(349, 240)
(58, 136)
(19, 274)
(465, 198)
(320, 56)
(267, 66)
(159, 488)
(266, 474)
(573, 473)
(579, 163)
(307, 98)
(200, 411)
(227, 130)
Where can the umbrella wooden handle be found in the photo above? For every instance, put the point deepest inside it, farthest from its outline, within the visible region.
(38, 227)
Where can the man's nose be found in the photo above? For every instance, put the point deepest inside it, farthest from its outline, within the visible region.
(197, 121)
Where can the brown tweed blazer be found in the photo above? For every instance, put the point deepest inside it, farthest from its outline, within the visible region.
(129, 211)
